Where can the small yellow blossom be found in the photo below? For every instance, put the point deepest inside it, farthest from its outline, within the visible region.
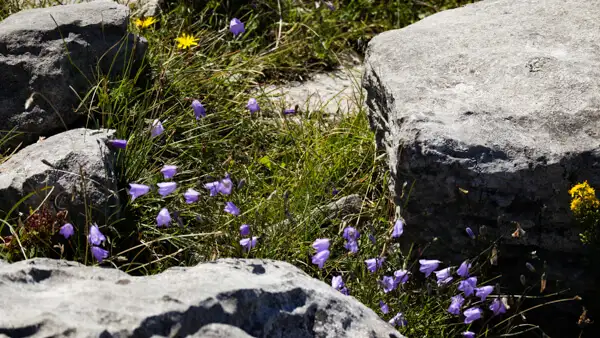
(582, 190)
(144, 23)
(139, 23)
(186, 41)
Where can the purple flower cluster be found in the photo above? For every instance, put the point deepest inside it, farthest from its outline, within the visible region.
(321, 245)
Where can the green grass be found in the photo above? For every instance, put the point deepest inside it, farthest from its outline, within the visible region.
(289, 168)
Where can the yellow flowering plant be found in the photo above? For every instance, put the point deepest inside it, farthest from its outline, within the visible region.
(585, 206)
(186, 41)
(144, 23)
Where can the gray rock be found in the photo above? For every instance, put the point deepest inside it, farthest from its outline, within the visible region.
(341, 208)
(501, 99)
(67, 156)
(139, 7)
(34, 59)
(225, 298)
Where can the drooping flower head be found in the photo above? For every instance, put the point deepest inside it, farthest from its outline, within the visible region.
(468, 286)
(244, 230)
(374, 263)
(67, 230)
(470, 233)
(157, 128)
(199, 110)
(497, 307)
(337, 282)
(232, 209)
(137, 190)
(398, 320)
(236, 27)
(398, 228)
(472, 314)
(98, 253)
(191, 196)
(248, 243)
(388, 284)
(321, 244)
(384, 307)
(456, 304)
(121, 144)
(252, 105)
(401, 276)
(320, 257)
(95, 237)
(443, 276)
(468, 334)
(225, 185)
(186, 41)
(163, 218)
(213, 188)
(169, 171)
(483, 292)
(530, 267)
(351, 246)
(351, 234)
(463, 269)
(165, 188)
(428, 265)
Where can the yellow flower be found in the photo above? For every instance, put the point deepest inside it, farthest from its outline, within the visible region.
(186, 41)
(575, 205)
(582, 190)
(139, 23)
(148, 22)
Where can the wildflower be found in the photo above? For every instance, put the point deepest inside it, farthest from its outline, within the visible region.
(463, 269)
(165, 188)
(484, 291)
(334, 191)
(191, 196)
(351, 235)
(321, 244)
(232, 209)
(236, 27)
(388, 284)
(443, 276)
(529, 267)
(67, 230)
(169, 171)
(398, 228)
(213, 188)
(244, 230)
(374, 263)
(468, 286)
(95, 237)
(320, 257)
(199, 110)
(472, 314)
(428, 265)
(468, 334)
(99, 253)
(252, 105)
(163, 218)
(470, 233)
(457, 302)
(186, 41)
(372, 239)
(144, 23)
(401, 276)
(398, 320)
(225, 186)
(139, 22)
(384, 307)
(121, 144)
(157, 128)
(337, 282)
(248, 243)
(351, 246)
(497, 307)
(289, 111)
(137, 190)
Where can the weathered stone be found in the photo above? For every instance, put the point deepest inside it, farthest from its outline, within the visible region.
(499, 98)
(60, 166)
(53, 52)
(341, 208)
(225, 298)
(139, 7)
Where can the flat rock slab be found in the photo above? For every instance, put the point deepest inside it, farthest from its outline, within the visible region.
(225, 298)
(57, 53)
(140, 7)
(499, 98)
(52, 170)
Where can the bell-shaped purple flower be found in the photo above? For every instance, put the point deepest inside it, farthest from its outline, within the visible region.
(191, 196)
(374, 263)
(401, 276)
(398, 228)
(497, 307)
(472, 314)
(252, 105)
(169, 171)
(351, 234)
(248, 243)
(232, 209)
(165, 188)
(225, 185)
(385, 309)
(470, 233)
(428, 265)
(398, 320)
(321, 244)
(351, 246)
(388, 284)
(443, 276)
(163, 218)
(463, 269)
(137, 190)
(67, 230)
(95, 237)
(289, 111)
(468, 334)
(456, 304)
(468, 286)
(99, 253)
(157, 128)
(337, 282)
(199, 110)
(245, 230)
(121, 144)
(530, 267)
(236, 27)
(320, 257)
(213, 188)
(483, 292)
